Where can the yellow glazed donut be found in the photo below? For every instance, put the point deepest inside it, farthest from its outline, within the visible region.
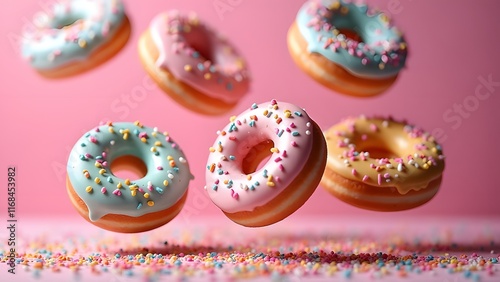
(193, 64)
(75, 36)
(346, 46)
(381, 164)
(257, 196)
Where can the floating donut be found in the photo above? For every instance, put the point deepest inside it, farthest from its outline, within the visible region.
(125, 205)
(257, 196)
(381, 164)
(347, 47)
(193, 64)
(75, 36)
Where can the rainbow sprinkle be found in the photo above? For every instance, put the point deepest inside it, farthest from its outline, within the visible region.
(197, 251)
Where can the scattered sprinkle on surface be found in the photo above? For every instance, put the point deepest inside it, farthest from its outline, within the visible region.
(192, 249)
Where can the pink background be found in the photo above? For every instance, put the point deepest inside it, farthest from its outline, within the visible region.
(452, 45)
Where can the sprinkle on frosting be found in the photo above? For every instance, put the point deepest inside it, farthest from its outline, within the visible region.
(270, 122)
(124, 193)
(71, 30)
(380, 53)
(417, 159)
(214, 67)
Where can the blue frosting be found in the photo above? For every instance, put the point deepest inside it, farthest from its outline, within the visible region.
(381, 52)
(89, 170)
(71, 31)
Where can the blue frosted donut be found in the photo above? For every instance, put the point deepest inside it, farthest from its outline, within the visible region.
(90, 171)
(75, 35)
(380, 54)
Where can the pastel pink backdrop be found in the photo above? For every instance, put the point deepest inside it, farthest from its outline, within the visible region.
(452, 44)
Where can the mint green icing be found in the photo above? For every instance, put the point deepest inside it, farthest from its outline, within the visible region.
(95, 151)
(71, 31)
(382, 52)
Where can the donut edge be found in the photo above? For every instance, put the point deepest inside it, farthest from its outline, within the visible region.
(123, 223)
(330, 74)
(375, 198)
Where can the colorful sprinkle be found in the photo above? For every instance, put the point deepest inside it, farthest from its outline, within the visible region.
(298, 250)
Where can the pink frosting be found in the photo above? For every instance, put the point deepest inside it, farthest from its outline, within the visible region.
(287, 126)
(199, 57)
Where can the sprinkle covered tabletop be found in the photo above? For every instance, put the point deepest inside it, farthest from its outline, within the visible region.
(296, 249)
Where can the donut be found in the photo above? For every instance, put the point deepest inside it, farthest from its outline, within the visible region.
(75, 36)
(193, 64)
(348, 47)
(127, 205)
(255, 195)
(381, 164)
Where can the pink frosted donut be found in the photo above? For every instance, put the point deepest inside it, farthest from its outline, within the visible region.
(193, 64)
(254, 195)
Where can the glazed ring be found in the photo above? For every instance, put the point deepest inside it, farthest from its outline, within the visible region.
(347, 46)
(381, 164)
(254, 196)
(193, 64)
(125, 205)
(75, 36)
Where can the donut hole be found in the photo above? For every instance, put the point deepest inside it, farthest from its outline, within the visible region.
(201, 42)
(211, 48)
(351, 34)
(128, 167)
(380, 152)
(66, 21)
(257, 157)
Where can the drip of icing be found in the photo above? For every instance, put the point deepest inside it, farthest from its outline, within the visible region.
(95, 214)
